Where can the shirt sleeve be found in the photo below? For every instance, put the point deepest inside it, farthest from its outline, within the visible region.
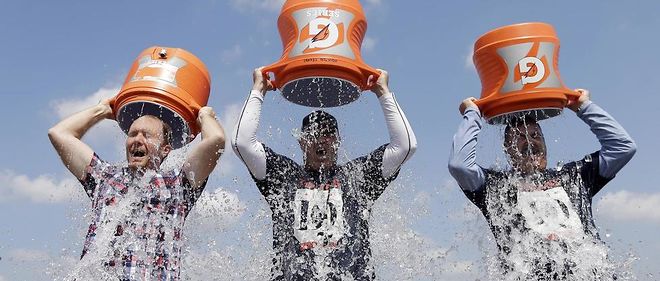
(617, 147)
(190, 194)
(373, 183)
(589, 169)
(478, 196)
(280, 170)
(463, 155)
(94, 173)
(403, 142)
(244, 141)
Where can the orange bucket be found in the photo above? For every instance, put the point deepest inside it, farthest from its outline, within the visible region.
(518, 67)
(321, 65)
(169, 83)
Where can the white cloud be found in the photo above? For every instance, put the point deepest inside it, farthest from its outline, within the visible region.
(106, 130)
(469, 63)
(65, 107)
(268, 5)
(630, 206)
(232, 55)
(42, 189)
(28, 255)
(369, 43)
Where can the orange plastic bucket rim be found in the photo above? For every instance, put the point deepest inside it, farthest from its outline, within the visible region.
(518, 68)
(169, 83)
(321, 63)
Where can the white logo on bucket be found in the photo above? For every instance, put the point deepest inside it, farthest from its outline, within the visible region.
(158, 70)
(322, 31)
(526, 68)
(323, 37)
(528, 64)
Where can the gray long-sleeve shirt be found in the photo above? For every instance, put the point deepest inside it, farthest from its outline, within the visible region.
(617, 147)
(535, 229)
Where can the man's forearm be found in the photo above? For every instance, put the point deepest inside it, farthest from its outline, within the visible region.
(212, 132)
(78, 124)
(244, 140)
(66, 138)
(203, 158)
(617, 147)
(403, 142)
(462, 159)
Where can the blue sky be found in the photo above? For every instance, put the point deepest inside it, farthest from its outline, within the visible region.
(60, 57)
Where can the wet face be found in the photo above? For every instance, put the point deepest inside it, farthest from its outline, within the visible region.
(525, 145)
(146, 147)
(320, 150)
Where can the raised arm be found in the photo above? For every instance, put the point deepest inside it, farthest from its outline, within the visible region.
(402, 139)
(617, 147)
(463, 155)
(244, 141)
(204, 156)
(67, 134)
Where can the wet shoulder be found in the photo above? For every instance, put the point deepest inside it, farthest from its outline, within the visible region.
(279, 161)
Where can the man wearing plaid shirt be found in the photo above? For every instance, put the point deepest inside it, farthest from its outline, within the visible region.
(138, 210)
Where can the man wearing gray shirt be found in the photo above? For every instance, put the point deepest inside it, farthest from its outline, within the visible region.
(542, 218)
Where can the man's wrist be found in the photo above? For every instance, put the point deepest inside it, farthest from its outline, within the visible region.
(473, 108)
(582, 106)
(104, 111)
(384, 94)
(257, 93)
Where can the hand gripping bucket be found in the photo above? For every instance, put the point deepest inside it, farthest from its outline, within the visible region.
(169, 83)
(518, 67)
(321, 65)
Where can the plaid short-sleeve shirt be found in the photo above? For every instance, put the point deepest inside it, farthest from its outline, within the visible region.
(135, 231)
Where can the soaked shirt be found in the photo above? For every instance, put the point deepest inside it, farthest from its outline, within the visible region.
(320, 221)
(550, 218)
(135, 233)
(543, 224)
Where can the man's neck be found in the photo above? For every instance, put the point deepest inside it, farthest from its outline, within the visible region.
(137, 172)
(320, 169)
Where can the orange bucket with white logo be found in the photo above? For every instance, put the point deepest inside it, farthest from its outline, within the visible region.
(169, 83)
(518, 67)
(321, 65)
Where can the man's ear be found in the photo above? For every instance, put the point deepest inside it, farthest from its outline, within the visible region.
(165, 150)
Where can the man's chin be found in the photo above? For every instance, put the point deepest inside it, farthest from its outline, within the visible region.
(136, 164)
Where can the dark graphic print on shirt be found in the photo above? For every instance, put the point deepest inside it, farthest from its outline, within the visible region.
(320, 221)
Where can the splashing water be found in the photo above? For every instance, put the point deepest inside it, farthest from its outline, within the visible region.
(231, 239)
(541, 219)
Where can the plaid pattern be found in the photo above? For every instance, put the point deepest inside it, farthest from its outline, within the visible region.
(136, 224)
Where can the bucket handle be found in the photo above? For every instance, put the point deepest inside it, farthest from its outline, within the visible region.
(366, 72)
(479, 103)
(112, 102)
(572, 94)
(274, 69)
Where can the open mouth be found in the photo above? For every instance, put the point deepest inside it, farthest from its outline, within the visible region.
(321, 152)
(138, 153)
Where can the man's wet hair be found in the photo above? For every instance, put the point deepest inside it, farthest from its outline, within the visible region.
(319, 123)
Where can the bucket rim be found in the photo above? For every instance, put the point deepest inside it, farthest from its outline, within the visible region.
(180, 128)
(548, 112)
(343, 98)
(485, 40)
